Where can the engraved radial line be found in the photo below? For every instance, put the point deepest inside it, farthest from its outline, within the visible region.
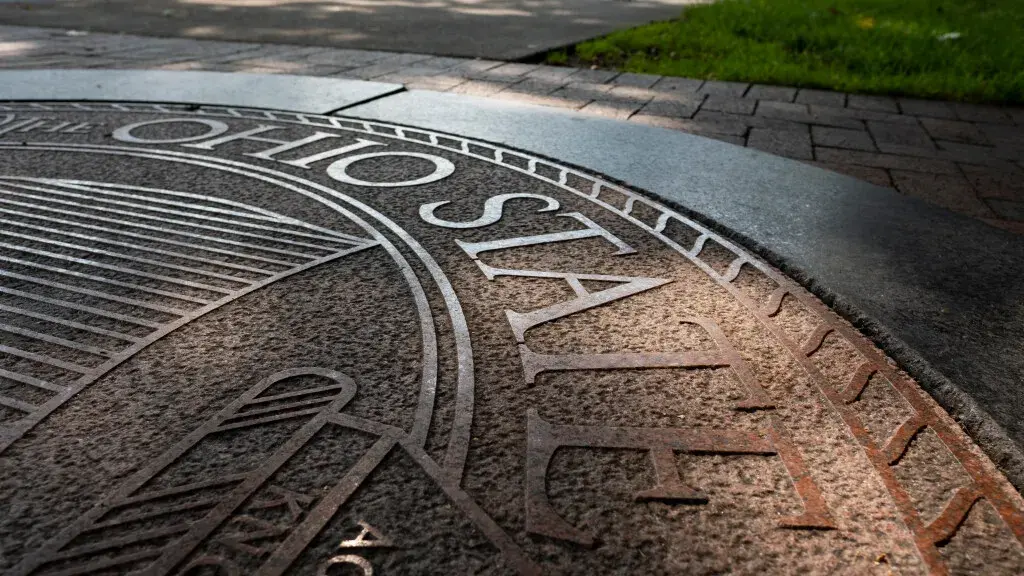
(122, 541)
(81, 308)
(165, 220)
(295, 394)
(771, 308)
(117, 232)
(16, 404)
(122, 256)
(129, 224)
(204, 503)
(101, 564)
(130, 271)
(96, 293)
(17, 429)
(69, 323)
(900, 439)
(698, 245)
(662, 222)
(136, 247)
(858, 381)
(267, 419)
(57, 185)
(55, 340)
(104, 188)
(160, 210)
(42, 359)
(30, 381)
(97, 188)
(59, 127)
(183, 489)
(816, 339)
(107, 188)
(289, 407)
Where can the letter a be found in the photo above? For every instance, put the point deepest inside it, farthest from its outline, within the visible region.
(585, 299)
(378, 541)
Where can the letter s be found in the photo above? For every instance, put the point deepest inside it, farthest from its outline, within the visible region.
(492, 211)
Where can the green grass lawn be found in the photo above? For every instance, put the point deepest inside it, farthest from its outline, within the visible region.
(956, 49)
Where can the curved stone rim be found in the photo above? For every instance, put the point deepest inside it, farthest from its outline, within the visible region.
(272, 91)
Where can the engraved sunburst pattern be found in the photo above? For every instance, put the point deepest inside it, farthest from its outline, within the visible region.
(93, 272)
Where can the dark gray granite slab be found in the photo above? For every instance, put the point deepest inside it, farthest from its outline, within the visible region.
(942, 293)
(296, 93)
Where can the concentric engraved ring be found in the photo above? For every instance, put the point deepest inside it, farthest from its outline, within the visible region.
(766, 296)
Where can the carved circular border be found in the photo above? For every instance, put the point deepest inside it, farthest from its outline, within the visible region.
(987, 482)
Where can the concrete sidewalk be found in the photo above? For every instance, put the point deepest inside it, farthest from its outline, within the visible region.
(967, 158)
(502, 29)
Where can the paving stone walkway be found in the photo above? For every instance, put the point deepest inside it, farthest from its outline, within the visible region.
(968, 158)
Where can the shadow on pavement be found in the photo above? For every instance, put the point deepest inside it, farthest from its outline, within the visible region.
(496, 29)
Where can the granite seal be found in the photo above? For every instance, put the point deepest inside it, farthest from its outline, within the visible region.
(249, 341)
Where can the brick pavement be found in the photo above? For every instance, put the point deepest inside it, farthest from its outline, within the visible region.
(968, 158)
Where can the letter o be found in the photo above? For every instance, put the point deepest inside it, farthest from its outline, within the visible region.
(347, 559)
(124, 133)
(443, 168)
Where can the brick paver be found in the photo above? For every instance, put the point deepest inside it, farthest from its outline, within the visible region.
(821, 98)
(734, 89)
(842, 138)
(966, 157)
(635, 80)
(954, 130)
(729, 105)
(789, 143)
(950, 190)
(876, 103)
(876, 176)
(910, 135)
(776, 93)
(608, 109)
(674, 106)
(679, 85)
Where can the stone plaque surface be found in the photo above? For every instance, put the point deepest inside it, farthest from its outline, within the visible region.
(247, 342)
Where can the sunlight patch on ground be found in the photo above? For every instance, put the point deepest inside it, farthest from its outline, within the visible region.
(16, 48)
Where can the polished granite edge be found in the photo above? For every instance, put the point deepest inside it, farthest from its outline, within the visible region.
(273, 91)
